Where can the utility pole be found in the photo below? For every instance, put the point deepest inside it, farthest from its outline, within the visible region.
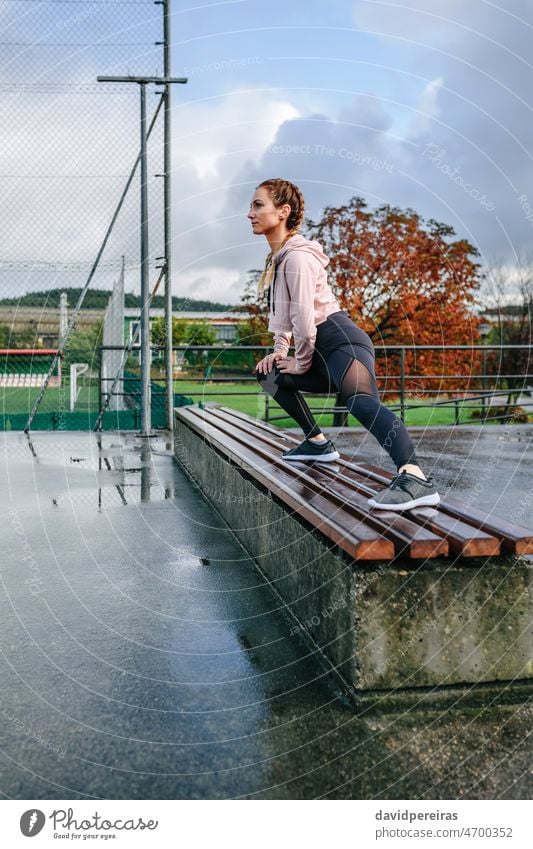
(146, 403)
(169, 359)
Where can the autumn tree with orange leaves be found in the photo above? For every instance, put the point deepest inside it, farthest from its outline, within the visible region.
(404, 281)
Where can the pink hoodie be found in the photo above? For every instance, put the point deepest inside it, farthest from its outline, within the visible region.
(300, 298)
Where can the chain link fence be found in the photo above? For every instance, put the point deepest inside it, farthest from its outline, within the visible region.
(70, 210)
(69, 145)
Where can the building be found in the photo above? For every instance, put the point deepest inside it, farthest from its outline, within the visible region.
(42, 323)
(224, 323)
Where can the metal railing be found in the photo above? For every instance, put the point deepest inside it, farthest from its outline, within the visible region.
(207, 365)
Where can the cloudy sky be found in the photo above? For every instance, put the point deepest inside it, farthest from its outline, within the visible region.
(423, 104)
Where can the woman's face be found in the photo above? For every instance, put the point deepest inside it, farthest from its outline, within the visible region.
(264, 216)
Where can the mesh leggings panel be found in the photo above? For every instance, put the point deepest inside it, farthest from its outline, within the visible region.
(359, 393)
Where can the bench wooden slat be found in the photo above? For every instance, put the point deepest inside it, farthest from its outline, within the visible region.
(463, 538)
(514, 539)
(360, 542)
(411, 539)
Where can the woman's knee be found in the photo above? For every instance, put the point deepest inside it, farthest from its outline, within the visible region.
(268, 382)
(375, 416)
(361, 402)
(259, 376)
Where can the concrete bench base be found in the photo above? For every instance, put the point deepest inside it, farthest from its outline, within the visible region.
(382, 626)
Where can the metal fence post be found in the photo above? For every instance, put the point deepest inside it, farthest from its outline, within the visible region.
(402, 383)
(169, 363)
(100, 399)
(142, 81)
(146, 351)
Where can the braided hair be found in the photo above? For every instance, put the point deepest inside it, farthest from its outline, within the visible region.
(282, 192)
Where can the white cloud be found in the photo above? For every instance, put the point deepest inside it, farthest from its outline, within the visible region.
(52, 158)
(223, 131)
(426, 108)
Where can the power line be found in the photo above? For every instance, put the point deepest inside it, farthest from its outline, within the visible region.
(43, 265)
(73, 88)
(78, 44)
(90, 2)
(62, 176)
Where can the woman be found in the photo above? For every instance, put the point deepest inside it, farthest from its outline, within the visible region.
(331, 352)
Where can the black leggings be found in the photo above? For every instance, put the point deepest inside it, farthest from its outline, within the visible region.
(343, 362)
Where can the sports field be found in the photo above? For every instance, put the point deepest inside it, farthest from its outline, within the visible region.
(20, 399)
(240, 396)
(253, 404)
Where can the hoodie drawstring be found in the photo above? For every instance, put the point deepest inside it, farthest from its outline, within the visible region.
(271, 294)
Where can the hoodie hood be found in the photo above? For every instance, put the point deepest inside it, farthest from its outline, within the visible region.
(300, 243)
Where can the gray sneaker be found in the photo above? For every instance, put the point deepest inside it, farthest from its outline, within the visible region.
(321, 452)
(405, 492)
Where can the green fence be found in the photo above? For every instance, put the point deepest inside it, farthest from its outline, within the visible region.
(21, 377)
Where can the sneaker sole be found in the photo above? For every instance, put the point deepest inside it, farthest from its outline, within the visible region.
(424, 501)
(320, 458)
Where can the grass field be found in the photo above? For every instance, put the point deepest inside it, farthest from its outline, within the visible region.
(20, 399)
(249, 400)
(254, 405)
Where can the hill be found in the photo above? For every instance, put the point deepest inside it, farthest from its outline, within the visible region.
(97, 299)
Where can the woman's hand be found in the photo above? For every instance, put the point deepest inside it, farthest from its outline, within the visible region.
(266, 365)
(288, 366)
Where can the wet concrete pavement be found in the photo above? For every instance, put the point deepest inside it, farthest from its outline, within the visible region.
(143, 657)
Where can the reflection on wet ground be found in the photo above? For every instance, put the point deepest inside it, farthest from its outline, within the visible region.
(143, 657)
(103, 469)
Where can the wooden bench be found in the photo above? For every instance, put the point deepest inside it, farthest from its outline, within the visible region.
(333, 497)
(415, 604)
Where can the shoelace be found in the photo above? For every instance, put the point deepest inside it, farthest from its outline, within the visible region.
(402, 481)
(399, 482)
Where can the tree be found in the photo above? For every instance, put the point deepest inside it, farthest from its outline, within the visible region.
(82, 346)
(185, 333)
(199, 333)
(404, 282)
(98, 299)
(11, 338)
(158, 331)
(253, 331)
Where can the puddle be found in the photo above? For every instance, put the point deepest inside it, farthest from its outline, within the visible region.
(67, 469)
